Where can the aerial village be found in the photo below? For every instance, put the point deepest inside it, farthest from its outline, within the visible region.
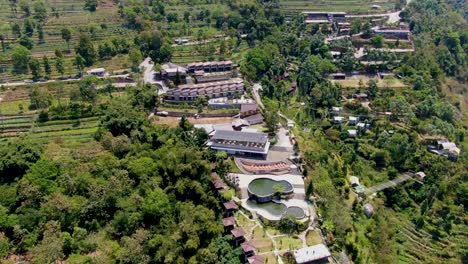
(260, 179)
(265, 181)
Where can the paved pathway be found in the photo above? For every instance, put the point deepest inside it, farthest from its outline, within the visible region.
(255, 88)
(148, 75)
(379, 187)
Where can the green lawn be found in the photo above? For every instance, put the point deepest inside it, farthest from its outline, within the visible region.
(288, 243)
(313, 237)
(291, 7)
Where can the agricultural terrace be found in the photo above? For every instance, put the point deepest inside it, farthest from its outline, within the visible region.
(52, 111)
(293, 7)
(103, 25)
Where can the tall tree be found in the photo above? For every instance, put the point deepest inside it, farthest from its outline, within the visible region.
(28, 27)
(35, 67)
(91, 5)
(47, 67)
(20, 59)
(88, 89)
(80, 63)
(66, 35)
(85, 49)
(25, 7)
(40, 11)
(59, 63)
(40, 33)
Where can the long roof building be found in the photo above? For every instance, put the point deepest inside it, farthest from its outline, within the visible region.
(189, 92)
(240, 142)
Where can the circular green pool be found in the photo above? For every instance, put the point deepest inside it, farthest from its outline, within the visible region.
(295, 211)
(276, 209)
(263, 189)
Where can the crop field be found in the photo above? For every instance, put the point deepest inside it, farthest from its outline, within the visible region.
(418, 246)
(104, 23)
(16, 118)
(356, 81)
(292, 7)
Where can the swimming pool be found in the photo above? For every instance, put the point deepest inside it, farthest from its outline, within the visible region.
(263, 190)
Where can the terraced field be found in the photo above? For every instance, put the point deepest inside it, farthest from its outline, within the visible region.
(417, 246)
(105, 23)
(292, 7)
(81, 130)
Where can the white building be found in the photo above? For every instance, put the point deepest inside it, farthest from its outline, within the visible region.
(311, 254)
(99, 72)
(353, 120)
(338, 120)
(352, 133)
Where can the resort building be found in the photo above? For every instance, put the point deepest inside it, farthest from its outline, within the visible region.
(171, 71)
(238, 236)
(202, 77)
(368, 210)
(255, 260)
(229, 223)
(218, 184)
(248, 109)
(446, 148)
(337, 120)
(393, 33)
(337, 109)
(238, 142)
(420, 175)
(99, 72)
(354, 181)
(229, 208)
(248, 249)
(190, 92)
(314, 254)
(210, 66)
(323, 17)
(353, 120)
(254, 119)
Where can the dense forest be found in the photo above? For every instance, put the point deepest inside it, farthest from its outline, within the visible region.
(140, 192)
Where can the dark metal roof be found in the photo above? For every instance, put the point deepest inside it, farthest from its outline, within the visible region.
(241, 136)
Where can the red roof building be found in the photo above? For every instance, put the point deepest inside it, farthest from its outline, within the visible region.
(218, 184)
(237, 233)
(248, 249)
(256, 260)
(229, 221)
(230, 206)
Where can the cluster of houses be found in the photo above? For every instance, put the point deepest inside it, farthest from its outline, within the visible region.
(323, 17)
(314, 254)
(444, 147)
(190, 92)
(231, 228)
(352, 121)
(213, 79)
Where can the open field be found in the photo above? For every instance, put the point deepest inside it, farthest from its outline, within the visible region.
(292, 7)
(313, 237)
(353, 82)
(174, 121)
